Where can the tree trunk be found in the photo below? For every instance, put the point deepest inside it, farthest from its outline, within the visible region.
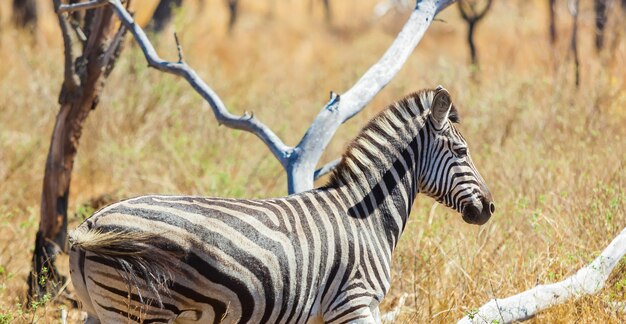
(233, 6)
(552, 5)
(327, 11)
(600, 7)
(79, 95)
(163, 14)
(574, 9)
(25, 13)
(472, 15)
(470, 41)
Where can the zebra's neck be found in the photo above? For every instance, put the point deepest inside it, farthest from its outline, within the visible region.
(380, 169)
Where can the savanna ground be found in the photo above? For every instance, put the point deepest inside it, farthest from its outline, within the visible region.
(553, 155)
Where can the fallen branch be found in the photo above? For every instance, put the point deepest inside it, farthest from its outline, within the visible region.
(587, 281)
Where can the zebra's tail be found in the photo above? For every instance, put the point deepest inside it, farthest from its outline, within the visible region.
(147, 261)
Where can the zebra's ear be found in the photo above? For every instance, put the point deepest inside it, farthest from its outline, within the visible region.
(440, 107)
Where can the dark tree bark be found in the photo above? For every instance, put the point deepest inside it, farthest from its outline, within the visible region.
(25, 13)
(163, 14)
(472, 16)
(84, 79)
(600, 7)
(552, 10)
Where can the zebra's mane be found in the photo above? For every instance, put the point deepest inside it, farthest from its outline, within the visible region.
(384, 129)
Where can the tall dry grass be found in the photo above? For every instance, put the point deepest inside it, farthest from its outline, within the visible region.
(553, 155)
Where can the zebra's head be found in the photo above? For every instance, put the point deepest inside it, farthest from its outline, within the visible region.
(449, 176)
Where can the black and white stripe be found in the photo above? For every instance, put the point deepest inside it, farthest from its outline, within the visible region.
(320, 255)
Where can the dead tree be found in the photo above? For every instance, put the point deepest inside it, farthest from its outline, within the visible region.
(574, 10)
(472, 14)
(163, 14)
(25, 13)
(298, 161)
(83, 81)
(552, 15)
(327, 11)
(601, 9)
(233, 8)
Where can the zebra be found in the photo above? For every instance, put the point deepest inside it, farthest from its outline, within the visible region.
(321, 255)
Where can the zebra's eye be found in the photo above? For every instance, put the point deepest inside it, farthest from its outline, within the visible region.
(461, 152)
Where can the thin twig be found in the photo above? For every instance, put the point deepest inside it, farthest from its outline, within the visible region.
(178, 48)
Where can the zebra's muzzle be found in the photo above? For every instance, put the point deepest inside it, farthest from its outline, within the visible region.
(478, 215)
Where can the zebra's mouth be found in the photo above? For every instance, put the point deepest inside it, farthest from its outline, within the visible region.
(480, 214)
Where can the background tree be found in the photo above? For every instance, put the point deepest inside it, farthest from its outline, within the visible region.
(574, 10)
(472, 14)
(601, 10)
(327, 11)
(233, 8)
(83, 82)
(25, 13)
(163, 14)
(552, 17)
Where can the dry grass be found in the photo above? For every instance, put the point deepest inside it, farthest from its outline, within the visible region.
(552, 154)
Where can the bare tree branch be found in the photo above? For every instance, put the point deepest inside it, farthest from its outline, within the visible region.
(246, 122)
(70, 78)
(300, 161)
(81, 6)
(336, 112)
(587, 281)
(179, 48)
(328, 167)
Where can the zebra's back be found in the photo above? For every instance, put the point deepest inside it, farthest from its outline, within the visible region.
(240, 260)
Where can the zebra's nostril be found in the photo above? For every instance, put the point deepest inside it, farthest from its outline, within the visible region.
(492, 207)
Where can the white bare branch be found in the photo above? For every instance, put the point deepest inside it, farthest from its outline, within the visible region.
(328, 167)
(82, 6)
(247, 122)
(587, 281)
(340, 109)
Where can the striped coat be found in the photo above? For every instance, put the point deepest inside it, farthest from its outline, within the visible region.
(322, 255)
